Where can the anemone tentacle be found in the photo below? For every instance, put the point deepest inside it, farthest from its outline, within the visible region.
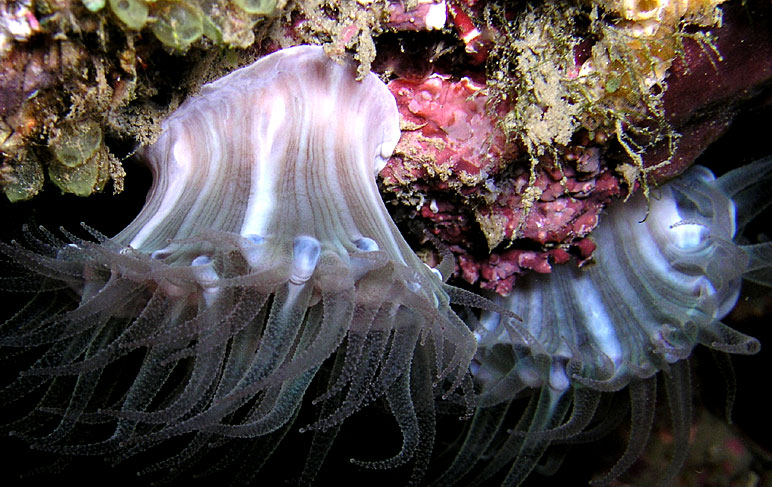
(263, 249)
(666, 271)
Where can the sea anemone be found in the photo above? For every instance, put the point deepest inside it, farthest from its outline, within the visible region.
(665, 272)
(263, 250)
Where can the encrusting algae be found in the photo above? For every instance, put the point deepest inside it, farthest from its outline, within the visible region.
(561, 68)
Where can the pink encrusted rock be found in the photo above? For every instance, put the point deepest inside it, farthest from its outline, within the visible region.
(567, 207)
(560, 220)
(455, 167)
(446, 135)
(499, 271)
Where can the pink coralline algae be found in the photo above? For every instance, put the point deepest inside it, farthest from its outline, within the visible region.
(447, 134)
(451, 165)
(503, 208)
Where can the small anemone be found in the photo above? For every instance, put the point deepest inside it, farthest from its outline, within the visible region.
(664, 274)
(262, 251)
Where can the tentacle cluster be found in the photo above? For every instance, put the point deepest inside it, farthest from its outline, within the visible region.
(263, 250)
(665, 273)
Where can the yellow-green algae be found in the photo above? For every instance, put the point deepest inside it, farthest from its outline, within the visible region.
(84, 179)
(73, 144)
(177, 24)
(23, 179)
(261, 7)
(533, 70)
(617, 91)
(82, 163)
(133, 13)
